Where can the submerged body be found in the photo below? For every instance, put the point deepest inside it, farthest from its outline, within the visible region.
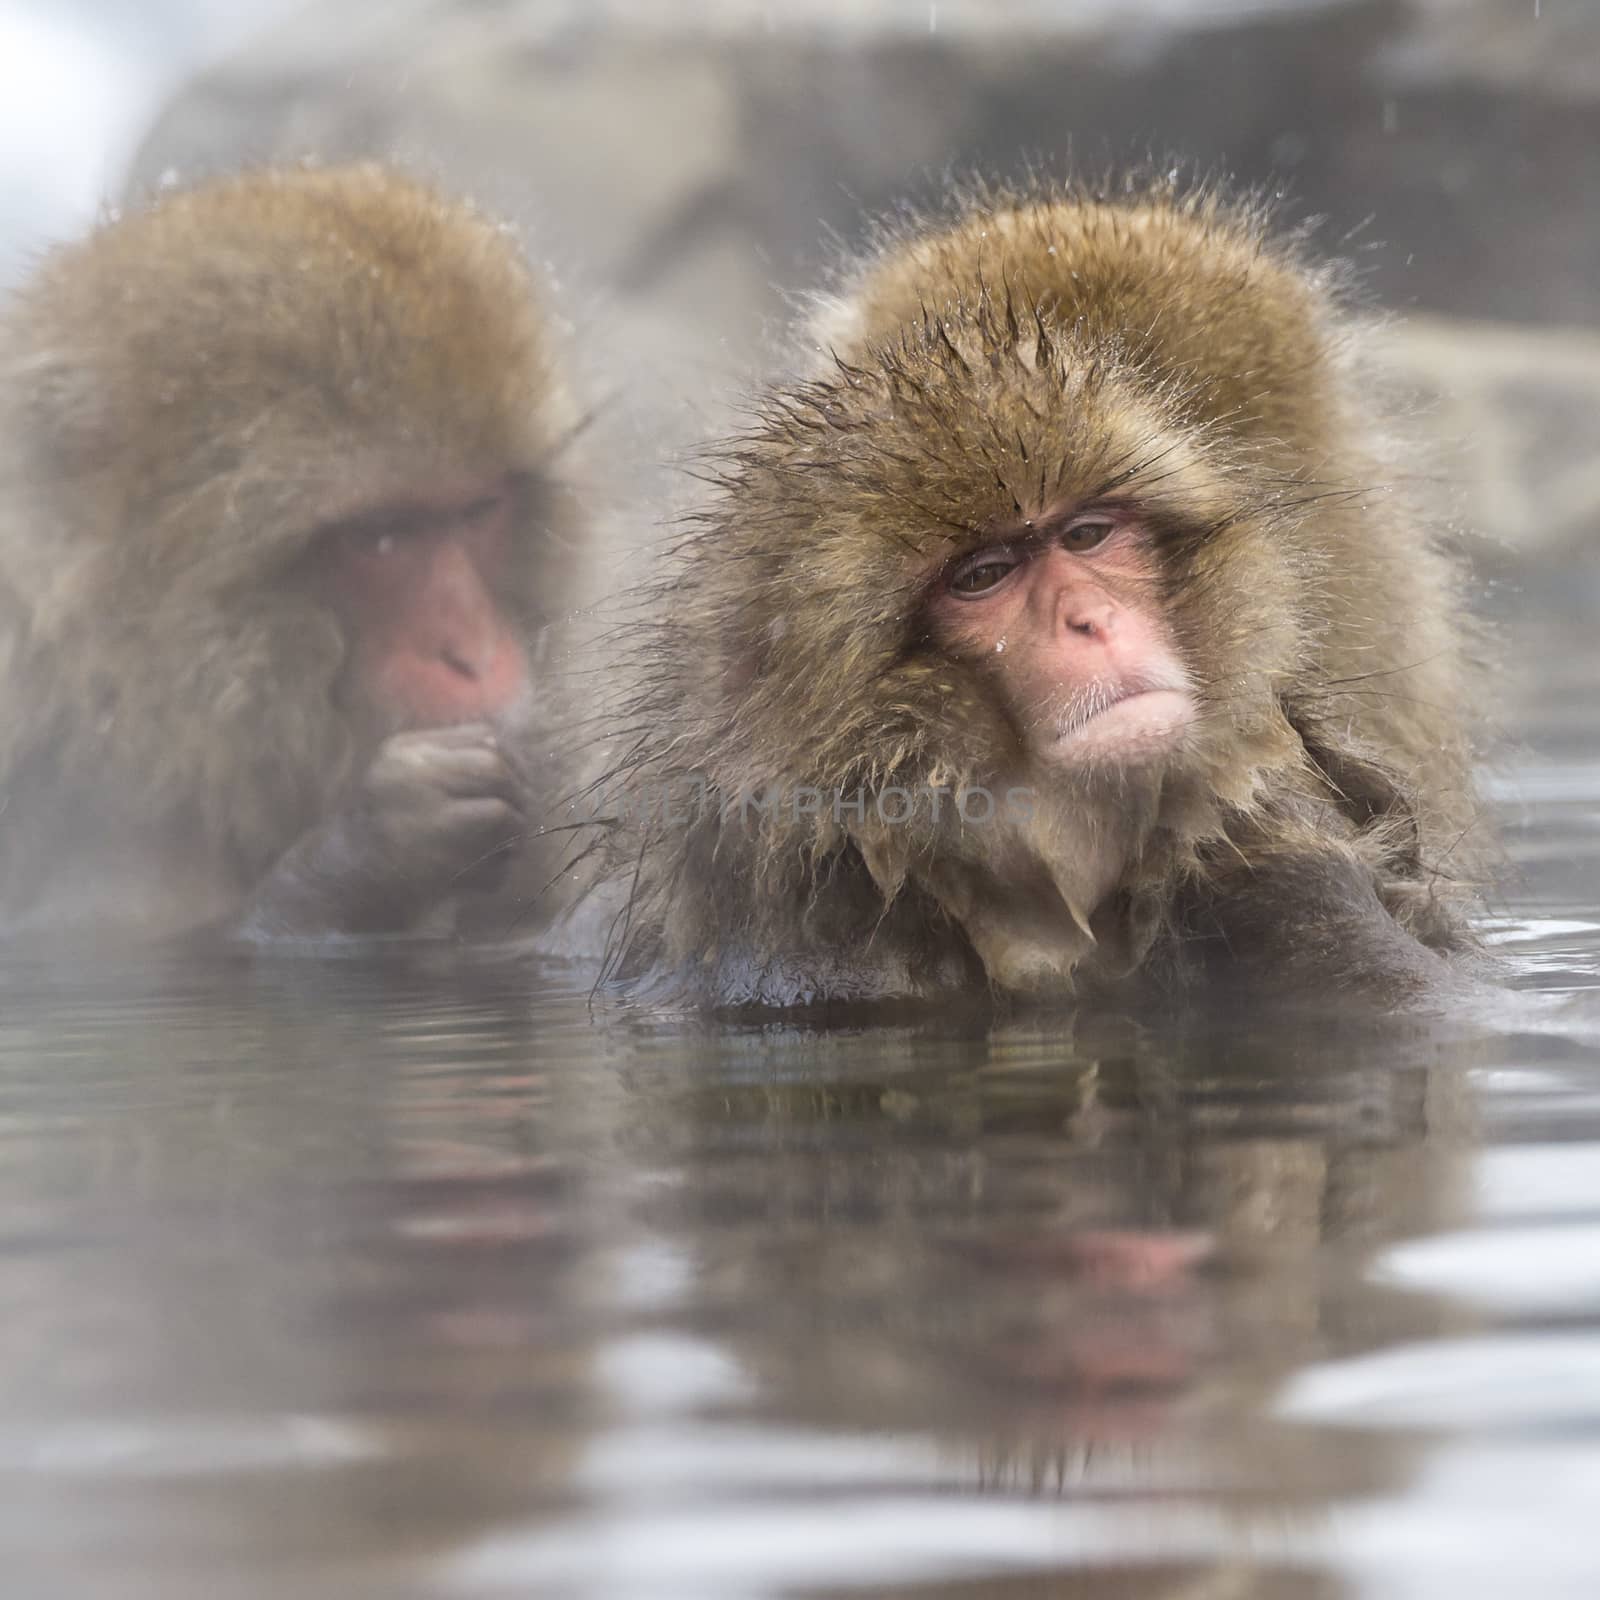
(1081, 550)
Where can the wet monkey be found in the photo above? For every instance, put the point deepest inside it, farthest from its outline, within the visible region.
(282, 521)
(1063, 629)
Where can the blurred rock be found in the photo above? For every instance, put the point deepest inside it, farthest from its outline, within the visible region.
(682, 166)
(1514, 412)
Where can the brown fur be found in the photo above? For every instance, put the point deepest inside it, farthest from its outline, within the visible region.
(185, 396)
(1046, 348)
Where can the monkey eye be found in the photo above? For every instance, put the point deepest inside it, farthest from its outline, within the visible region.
(986, 570)
(378, 539)
(375, 542)
(1086, 533)
(482, 508)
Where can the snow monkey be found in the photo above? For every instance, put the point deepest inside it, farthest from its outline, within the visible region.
(1063, 628)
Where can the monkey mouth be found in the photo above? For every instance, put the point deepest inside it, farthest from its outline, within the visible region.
(1122, 722)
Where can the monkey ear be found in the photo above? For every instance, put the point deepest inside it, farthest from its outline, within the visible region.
(740, 669)
(745, 655)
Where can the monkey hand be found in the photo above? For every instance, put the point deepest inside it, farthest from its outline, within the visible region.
(442, 807)
(435, 814)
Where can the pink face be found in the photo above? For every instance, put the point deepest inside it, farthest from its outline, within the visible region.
(416, 582)
(1066, 616)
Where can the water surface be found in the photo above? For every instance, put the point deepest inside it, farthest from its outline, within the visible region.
(354, 1278)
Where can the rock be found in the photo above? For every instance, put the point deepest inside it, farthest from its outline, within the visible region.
(1511, 413)
(682, 167)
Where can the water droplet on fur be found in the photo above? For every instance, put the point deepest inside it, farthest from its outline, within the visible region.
(999, 647)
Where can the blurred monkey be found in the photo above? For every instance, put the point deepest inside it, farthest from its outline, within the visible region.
(281, 528)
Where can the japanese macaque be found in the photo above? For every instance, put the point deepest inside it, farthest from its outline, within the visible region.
(280, 531)
(1065, 627)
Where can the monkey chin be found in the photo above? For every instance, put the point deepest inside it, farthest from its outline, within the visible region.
(1141, 726)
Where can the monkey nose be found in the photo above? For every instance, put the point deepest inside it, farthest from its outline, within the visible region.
(1091, 617)
(460, 661)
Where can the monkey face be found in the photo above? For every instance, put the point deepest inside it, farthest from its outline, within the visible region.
(983, 558)
(1065, 621)
(415, 582)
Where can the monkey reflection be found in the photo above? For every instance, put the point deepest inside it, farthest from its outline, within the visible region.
(1064, 627)
(281, 529)
(1075, 1266)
